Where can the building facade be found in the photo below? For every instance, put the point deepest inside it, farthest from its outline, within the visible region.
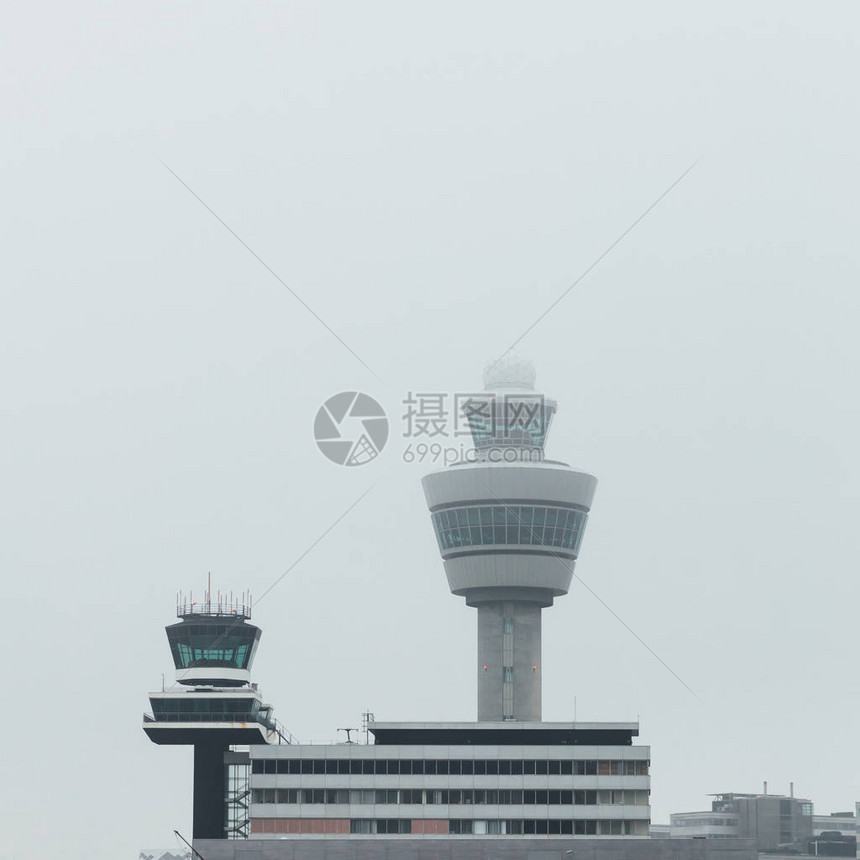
(713, 825)
(837, 822)
(442, 779)
(774, 821)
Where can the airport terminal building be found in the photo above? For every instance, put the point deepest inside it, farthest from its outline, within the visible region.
(507, 779)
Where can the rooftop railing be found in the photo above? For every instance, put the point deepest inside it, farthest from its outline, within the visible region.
(219, 609)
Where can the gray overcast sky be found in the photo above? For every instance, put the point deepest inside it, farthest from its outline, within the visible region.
(429, 178)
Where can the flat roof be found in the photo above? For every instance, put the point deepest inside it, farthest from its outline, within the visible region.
(505, 733)
(731, 795)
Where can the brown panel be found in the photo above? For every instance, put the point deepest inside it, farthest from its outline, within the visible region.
(430, 825)
(305, 825)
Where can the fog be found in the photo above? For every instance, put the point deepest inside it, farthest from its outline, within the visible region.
(401, 190)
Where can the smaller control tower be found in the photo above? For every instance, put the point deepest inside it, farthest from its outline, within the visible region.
(216, 705)
(509, 525)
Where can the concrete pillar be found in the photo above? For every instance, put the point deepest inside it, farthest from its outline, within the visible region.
(210, 788)
(509, 661)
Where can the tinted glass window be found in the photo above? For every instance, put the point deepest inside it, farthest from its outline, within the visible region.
(509, 524)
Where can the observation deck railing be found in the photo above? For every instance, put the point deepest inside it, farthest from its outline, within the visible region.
(273, 725)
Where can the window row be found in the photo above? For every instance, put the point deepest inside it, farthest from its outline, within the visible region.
(509, 524)
(380, 825)
(615, 827)
(205, 704)
(212, 644)
(514, 827)
(189, 656)
(445, 797)
(703, 822)
(454, 767)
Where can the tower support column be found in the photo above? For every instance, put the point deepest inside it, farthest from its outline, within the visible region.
(509, 660)
(210, 788)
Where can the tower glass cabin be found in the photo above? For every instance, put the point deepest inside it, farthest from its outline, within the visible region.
(509, 526)
(212, 706)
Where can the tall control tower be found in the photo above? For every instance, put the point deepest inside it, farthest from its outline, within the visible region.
(214, 707)
(509, 524)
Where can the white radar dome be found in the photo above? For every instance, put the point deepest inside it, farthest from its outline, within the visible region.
(509, 371)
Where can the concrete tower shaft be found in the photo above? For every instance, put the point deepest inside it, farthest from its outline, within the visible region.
(509, 529)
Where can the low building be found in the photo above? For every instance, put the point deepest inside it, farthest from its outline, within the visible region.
(842, 822)
(487, 779)
(335, 847)
(713, 825)
(774, 821)
(833, 843)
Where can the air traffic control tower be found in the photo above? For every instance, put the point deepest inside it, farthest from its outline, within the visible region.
(215, 705)
(509, 524)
